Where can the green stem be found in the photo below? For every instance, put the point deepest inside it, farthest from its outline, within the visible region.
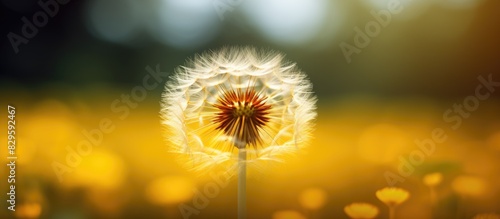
(242, 184)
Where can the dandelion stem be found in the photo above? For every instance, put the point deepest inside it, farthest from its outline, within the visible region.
(392, 212)
(433, 196)
(461, 207)
(242, 184)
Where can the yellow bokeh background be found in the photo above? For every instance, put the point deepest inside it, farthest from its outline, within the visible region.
(353, 148)
(82, 152)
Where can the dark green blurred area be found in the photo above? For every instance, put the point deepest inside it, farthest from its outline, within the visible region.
(436, 51)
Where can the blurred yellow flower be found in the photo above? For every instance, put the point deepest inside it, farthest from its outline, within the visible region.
(101, 169)
(288, 214)
(469, 185)
(382, 143)
(392, 196)
(486, 216)
(494, 141)
(28, 210)
(361, 211)
(433, 179)
(312, 198)
(170, 190)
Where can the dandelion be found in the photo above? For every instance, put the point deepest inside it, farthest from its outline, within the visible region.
(361, 211)
(432, 180)
(487, 216)
(28, 210)
(288, 214)
(170, 190)
(312, 198)
(236, 106)
(392, 197)
(469, 186)
(91, 173)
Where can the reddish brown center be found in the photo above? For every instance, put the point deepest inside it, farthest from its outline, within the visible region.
(242, 114)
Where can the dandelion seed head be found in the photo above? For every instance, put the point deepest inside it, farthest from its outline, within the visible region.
(237, 98)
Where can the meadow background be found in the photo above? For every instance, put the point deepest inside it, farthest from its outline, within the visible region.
(67, 78)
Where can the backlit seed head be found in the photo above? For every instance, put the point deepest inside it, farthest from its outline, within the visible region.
(237, 98)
